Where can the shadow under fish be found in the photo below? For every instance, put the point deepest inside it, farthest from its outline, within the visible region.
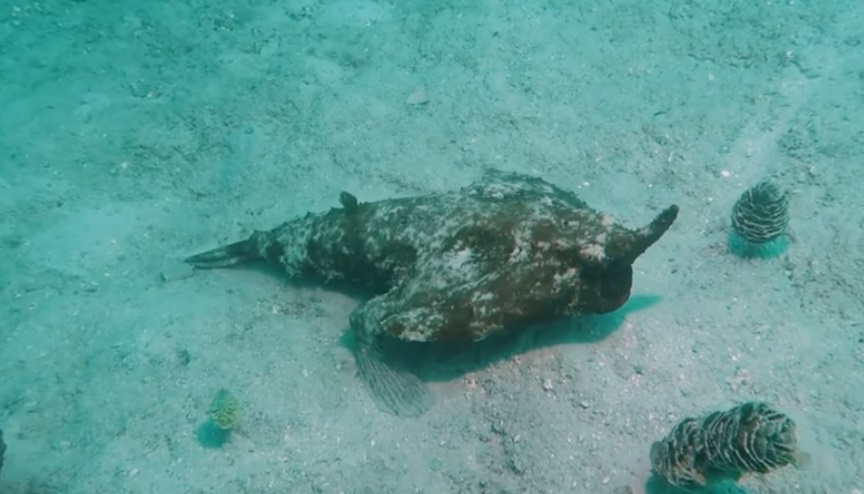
(454, 268)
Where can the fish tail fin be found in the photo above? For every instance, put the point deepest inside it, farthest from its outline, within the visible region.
(394, 390)
(227, 255)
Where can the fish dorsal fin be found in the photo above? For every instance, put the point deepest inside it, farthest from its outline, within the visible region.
(348, 201)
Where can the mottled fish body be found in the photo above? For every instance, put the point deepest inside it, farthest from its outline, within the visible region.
(505, 252)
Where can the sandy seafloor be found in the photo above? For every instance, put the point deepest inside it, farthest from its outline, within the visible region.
(133, 134)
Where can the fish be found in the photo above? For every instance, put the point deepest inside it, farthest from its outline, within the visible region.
(507, 251)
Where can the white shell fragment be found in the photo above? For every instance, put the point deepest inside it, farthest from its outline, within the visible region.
(418, 97)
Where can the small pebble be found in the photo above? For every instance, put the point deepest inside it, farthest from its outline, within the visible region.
(176, 271)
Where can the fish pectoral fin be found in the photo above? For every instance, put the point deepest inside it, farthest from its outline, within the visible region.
(225, 256)
(394, 390)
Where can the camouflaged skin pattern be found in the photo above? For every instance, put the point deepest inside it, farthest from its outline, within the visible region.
(459, 266)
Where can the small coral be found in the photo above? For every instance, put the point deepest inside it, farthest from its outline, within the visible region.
(224, 410)
(750, 438)
(2, 449)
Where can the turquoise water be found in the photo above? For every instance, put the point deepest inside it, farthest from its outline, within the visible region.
(134, 134)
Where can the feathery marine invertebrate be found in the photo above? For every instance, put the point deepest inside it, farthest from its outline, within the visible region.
(750, 438)
(760, 218)
(224, 410)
